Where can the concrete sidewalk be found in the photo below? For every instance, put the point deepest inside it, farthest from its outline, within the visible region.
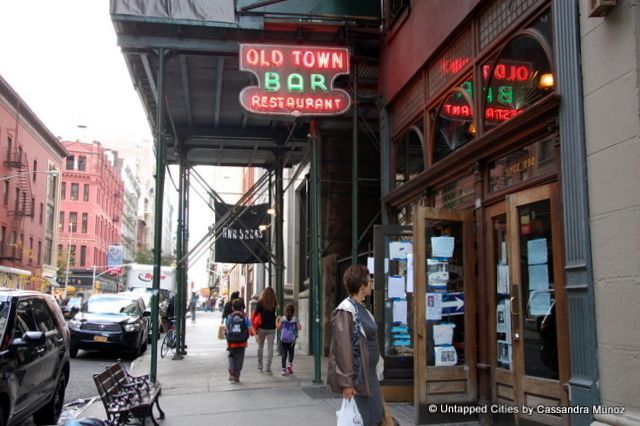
(196, 390)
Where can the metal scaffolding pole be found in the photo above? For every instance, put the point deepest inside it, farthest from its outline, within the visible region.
(279, 234)
(316, 275)
(354, 171)
(182, 349)
(179, 254)
(157, 221)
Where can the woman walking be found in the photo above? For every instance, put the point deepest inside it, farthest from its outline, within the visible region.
(354, 351)
(266, 331)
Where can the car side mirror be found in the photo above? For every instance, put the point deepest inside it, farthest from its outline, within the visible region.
(30, 338)
(146, 313)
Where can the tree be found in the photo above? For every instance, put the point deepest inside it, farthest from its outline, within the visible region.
(146, 257)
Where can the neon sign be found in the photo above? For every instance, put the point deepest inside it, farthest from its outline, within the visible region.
(294, 80)
(509, 78)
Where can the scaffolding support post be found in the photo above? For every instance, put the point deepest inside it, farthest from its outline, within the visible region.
(316, 275)
(354, 171)
(279, 195)
(157, 220)
(180, 264)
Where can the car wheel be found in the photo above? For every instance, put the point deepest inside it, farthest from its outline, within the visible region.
(50, 413)
(2, 420)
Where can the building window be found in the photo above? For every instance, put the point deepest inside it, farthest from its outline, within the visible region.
(5, 193)
(394, 9)
(35, 169)
(73, 221)
(50, 218)
(14, 243)
(85, 192)
(41, 212)
(83, 255)
(454, 126)
(17, 200)
(52, 182)
(21, 247)
(33, 208)
(48, 248)
(39, 252)
(409, 154)
(75, 188)
(3, 234)
(85, 222)
(82, 163)
(61, 224)
(30, 255)
(72, 255)
(63, 190)
(70, 161)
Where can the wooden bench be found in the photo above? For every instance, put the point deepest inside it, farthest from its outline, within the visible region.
(127, 397)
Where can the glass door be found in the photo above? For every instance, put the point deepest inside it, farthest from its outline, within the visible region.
(444, 311)
(537, 351)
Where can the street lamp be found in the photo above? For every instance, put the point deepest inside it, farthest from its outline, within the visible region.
(50, 172)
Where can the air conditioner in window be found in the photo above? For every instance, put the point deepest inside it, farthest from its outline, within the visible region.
(599, 8)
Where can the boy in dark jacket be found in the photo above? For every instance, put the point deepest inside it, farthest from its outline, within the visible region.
(237, 334)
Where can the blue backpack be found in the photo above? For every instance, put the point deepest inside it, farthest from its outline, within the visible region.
(289, 330)
(237, 330)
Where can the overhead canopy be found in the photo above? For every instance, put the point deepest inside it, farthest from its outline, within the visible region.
(204, 119)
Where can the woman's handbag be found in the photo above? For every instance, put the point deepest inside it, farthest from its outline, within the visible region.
(221, 332)
(256, 320)
(349, 414)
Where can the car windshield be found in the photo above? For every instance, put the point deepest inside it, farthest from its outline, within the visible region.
(4, 314)
(111, 305)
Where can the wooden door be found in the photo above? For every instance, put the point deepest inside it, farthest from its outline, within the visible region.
(444, 308)
(535, 359)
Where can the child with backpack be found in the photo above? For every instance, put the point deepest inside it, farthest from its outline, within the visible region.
(237, 334)
(289, 327)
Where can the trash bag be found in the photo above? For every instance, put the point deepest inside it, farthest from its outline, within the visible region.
(348, 415)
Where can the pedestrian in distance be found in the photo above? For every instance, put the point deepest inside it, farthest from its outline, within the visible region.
(193, 305)
(266, 330)
(227, 307)
(289, 325)
(354, 353)
(237, 334)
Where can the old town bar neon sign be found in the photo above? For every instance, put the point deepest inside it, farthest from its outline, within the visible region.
(294, 80)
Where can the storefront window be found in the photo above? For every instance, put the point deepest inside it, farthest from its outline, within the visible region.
(520, 77)
(456, 194)
(398, 296)
(454, 125)
(531, 161)
(445, 297)
(409, 154)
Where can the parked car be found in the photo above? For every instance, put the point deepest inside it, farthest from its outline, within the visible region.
(145, 295)
(71, 306)
(34, 357)
(110, 322)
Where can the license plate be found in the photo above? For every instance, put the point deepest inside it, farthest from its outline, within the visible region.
(99, 338)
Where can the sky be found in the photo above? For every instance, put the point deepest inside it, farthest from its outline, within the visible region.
(63, 60)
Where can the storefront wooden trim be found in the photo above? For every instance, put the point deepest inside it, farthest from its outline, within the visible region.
(535, 121)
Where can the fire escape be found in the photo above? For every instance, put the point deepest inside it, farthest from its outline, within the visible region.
(17, 162)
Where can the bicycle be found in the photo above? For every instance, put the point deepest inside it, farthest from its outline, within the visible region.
(169, 341)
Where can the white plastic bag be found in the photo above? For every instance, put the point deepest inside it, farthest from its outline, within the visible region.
(348, 415)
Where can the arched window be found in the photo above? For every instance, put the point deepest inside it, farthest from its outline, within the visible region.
(519, 77)
(454, 123)
(409, 154)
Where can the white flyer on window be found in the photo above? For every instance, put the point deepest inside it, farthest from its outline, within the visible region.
(502, 274)
(410, 273)
(437, 273)
(445, 356)
(434, 306)
(443, 334)
(398, 250)
(395, 287)
(370, 265)
(537, 253)
(442, 247)
(400, 311)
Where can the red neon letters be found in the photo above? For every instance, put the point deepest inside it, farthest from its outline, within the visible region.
(294, 80)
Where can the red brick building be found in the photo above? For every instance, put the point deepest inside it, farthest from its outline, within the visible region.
(90, 215)
(30, 161)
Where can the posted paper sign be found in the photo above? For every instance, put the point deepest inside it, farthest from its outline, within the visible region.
(410, 273)
(502, 274)
(437, 273)
(398, 250)
(370, 265)
(400, 311)
(443, 334)
(445, 356)
(504, 352)
(537, 251)
(539, 277)
(539, 302)
(434, 306)
(395, 287)
(442, 247)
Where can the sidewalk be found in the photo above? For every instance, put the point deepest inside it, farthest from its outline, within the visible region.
(196, 390)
